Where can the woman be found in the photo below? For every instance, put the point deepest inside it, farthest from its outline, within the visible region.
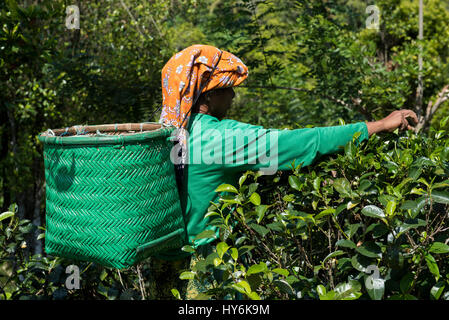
(197, 93)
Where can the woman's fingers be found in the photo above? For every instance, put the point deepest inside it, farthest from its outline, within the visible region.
(411, 114)
(405, 123)
(399, 119)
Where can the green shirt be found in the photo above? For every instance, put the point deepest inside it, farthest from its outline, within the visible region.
(219, 151)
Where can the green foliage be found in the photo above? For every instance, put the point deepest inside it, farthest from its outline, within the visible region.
(26, 276)
(311, 63)
(369, 223)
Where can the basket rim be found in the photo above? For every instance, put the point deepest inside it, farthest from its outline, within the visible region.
(143, 131)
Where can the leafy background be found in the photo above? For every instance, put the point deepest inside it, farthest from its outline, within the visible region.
(312, 63)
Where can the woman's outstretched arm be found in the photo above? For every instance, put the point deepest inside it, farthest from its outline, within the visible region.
(275, 149)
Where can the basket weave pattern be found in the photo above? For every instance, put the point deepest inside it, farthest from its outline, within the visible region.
(111, 203)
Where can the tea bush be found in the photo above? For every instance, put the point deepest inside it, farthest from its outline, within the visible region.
(370, 222)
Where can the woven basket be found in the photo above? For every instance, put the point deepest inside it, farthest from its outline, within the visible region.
(111, 193)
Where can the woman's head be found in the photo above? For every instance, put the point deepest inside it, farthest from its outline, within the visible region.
(215, 102)
(191, 72)
(202, 74)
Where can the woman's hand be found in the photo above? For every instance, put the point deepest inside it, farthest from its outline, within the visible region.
(394, 120)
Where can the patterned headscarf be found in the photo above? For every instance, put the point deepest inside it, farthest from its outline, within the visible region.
(191, 72)
(188, 70)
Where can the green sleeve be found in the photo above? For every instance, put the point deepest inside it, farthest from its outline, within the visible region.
(256, 148)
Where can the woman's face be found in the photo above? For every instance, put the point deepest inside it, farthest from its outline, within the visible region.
(220, 101)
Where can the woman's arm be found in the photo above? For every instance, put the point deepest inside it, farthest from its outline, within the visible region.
(256, 148)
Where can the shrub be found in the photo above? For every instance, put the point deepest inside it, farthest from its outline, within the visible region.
(368, 223)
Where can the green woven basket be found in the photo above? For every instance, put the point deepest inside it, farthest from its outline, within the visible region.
(111, 193)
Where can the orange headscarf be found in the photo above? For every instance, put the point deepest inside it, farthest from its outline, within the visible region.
(188, 74)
